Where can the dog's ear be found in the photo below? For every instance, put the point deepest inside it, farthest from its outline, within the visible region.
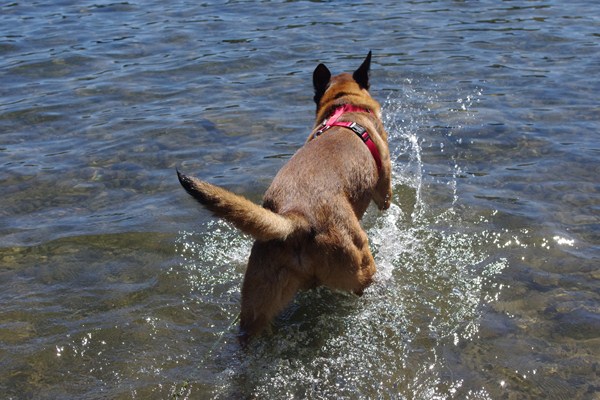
(321, 77)
(361, 75)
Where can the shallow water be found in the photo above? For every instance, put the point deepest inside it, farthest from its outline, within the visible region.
(115, 284)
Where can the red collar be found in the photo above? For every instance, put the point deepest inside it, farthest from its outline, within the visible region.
(360, 131)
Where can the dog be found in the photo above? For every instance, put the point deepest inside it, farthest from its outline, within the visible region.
(307, 231)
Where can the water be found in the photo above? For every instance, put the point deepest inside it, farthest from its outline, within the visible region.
(115, 284)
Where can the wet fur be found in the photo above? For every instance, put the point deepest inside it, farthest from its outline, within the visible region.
(307, 230)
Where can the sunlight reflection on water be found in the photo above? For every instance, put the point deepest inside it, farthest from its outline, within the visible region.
(433, 278)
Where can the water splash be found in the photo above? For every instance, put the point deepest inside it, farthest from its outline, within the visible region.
(433, 278)
(213, 264)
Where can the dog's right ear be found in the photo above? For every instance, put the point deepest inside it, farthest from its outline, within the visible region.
(321, 78)
(361, 75)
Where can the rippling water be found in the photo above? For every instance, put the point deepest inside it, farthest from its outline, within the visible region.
(115, 284)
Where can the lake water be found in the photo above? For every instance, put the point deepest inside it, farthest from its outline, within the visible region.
(115, 284)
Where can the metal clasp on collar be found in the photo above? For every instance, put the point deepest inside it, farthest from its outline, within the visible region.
(324, 127)
(358, 129)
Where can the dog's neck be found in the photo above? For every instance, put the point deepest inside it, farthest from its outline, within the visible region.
(349, 106)
(340, 110)
(359, 130)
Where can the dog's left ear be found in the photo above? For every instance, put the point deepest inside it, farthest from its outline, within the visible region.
(321, 77)
(361, 75)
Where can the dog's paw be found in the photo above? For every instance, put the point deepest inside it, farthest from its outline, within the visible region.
(385, 202)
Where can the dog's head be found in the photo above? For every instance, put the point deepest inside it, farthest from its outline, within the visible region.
(345, 88)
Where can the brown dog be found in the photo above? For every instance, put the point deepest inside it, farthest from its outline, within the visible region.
(307, 231)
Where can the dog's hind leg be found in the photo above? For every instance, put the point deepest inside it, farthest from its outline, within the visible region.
(269, 285)
(351, 266)
(360, 267)
(367, 269)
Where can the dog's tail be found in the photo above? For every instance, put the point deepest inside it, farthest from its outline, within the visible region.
(250, 218)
